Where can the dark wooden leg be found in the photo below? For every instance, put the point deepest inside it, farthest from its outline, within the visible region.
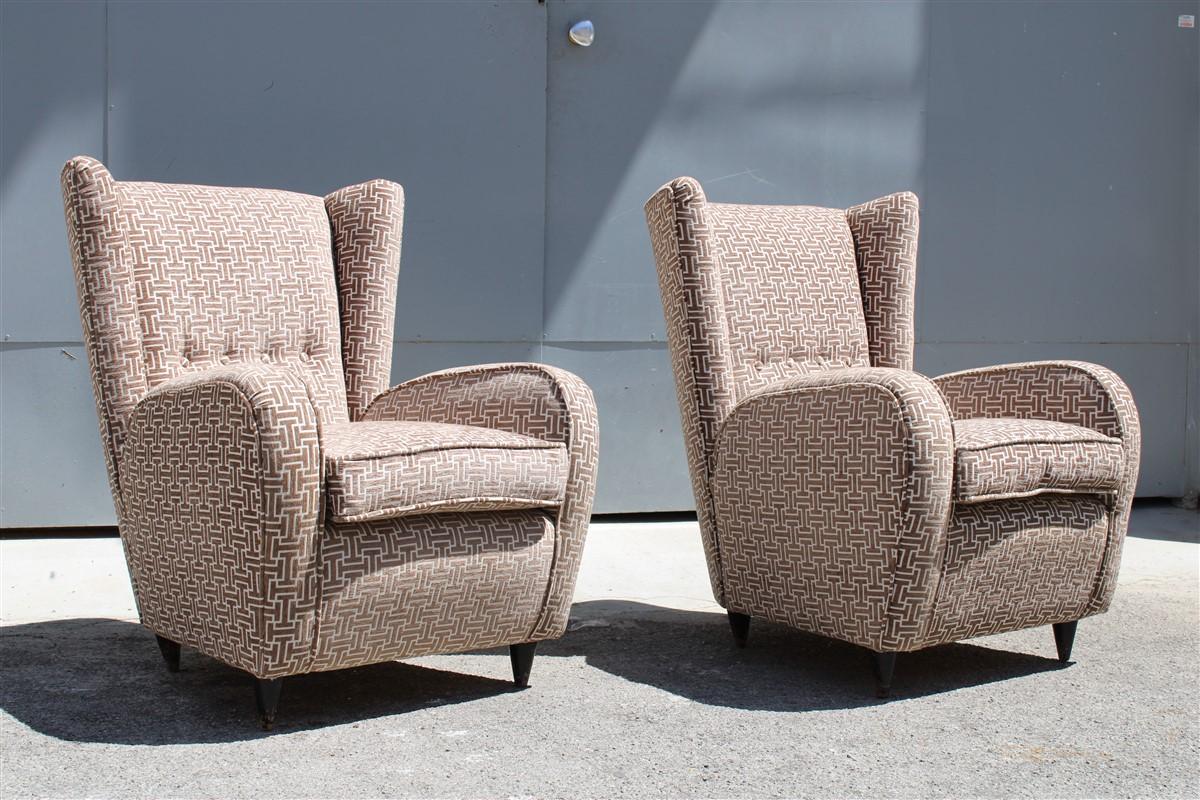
(740, 623)
(885, 665)
(1064, 637)
(170, 653)
(521, 656)
(266, 697)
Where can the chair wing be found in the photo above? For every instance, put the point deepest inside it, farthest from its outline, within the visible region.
(885, 245)
(367, 221)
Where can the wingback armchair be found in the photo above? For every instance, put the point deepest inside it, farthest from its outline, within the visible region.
(282, 509)
(842, 493)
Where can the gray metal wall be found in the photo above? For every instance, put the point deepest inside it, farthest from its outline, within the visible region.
(1054, 146)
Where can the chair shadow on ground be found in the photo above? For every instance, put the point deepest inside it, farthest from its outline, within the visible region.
(102, 680)
(692, 654)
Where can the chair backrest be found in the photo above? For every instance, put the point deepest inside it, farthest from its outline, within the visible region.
(176, 278)
(753, 295)
(789, 292)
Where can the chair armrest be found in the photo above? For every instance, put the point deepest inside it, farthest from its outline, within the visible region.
(843, 478)
(529, 399)
(1075, 392)
(533, 400)
(1064, 391)
(221, 491)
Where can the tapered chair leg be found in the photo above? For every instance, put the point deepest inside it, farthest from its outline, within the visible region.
(170, 653)
(740, 624)
(521, 656)
(1064, 638)
(266, 697)
(885, 665)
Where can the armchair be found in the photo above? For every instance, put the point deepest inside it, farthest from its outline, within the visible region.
(280, 508)
(842, 493)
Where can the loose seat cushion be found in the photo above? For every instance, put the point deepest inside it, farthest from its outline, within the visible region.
(1002, 457)
(376, 470)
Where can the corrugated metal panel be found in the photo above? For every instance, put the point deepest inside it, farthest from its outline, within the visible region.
(1055, 153)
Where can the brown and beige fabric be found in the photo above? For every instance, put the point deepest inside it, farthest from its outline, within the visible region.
(841, 492)
(281, 509)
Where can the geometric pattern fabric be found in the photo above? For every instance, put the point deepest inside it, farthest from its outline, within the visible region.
(232, 336)
(843, 493)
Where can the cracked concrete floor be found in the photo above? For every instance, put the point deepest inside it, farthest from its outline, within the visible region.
(645, 697)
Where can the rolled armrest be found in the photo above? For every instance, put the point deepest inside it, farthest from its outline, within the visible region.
(529, 399)
(532, 400)
(855, 468)
(221, 490)
(1065, 391)
(1075, 392)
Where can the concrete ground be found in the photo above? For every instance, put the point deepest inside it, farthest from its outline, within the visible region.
(644, 697)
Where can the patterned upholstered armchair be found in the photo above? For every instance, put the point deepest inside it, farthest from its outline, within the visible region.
(281, 509)
(844, 494)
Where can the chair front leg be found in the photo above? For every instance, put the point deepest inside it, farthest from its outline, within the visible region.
(266, 698)
(521, 656)
(170, 653)
(1064, 639)
(740, 625)
(885, 666)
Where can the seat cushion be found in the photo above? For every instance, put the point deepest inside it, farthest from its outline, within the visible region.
(375, 470)
(1001, 457)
